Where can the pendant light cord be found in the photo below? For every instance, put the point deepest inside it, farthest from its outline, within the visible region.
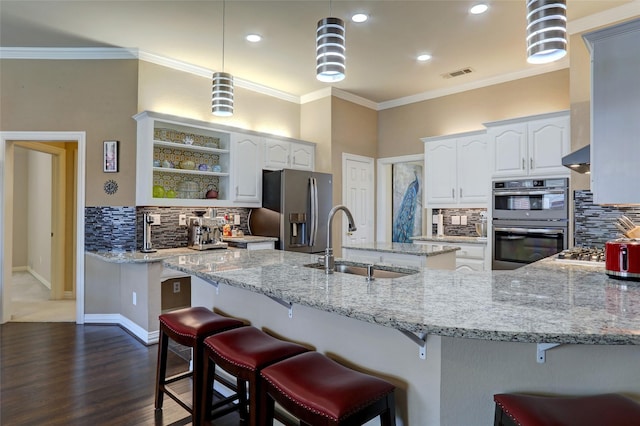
(224, 3)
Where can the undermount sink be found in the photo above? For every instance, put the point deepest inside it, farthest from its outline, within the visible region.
(378, 271)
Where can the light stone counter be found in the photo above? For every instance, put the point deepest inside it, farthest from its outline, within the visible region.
(138, 256)
(542, 302)
(403, 248)
(452, 239)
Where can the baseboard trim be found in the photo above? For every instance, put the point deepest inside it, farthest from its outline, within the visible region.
(39, 277)
(19, 269)
(146, 337)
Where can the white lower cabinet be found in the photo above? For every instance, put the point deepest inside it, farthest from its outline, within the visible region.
(470, 257)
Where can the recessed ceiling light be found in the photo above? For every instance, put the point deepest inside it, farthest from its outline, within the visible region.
(479, 8)
(359, 17)
(254, 38)
(424, 57)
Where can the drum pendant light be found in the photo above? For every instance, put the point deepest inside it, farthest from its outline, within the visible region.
(222, 93)
(546, 30)
(330, 49)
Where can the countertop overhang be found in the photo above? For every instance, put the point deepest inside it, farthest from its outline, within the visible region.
(542, 302)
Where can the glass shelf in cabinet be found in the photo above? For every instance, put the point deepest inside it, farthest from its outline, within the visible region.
(188, 172)
(175, 145)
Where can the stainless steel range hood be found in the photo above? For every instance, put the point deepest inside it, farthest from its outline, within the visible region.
(579, 161)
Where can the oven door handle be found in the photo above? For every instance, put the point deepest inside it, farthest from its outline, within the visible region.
(531, 231)
(503, 193)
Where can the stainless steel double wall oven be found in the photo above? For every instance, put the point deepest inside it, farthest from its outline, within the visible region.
(530, 220)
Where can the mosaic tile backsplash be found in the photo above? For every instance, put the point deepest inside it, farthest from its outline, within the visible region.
(120, 228)
(594, 224)
(110, 228)
(468, 230)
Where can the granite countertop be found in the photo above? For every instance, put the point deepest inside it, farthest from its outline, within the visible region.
(544, 302)
(138, 256)
(404, 248)
(249, 239)
(452, 239)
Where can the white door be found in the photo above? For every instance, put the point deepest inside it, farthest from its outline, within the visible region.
(358, 196)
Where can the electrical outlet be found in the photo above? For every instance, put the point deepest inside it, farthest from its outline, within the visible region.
(434, 219)
(155, 219)
(176, 286)
(135, 299)
(463, 220)
(455, 220)
(236, 219)
(182, 220)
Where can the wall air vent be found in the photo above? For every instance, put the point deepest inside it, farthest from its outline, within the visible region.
(458, 73)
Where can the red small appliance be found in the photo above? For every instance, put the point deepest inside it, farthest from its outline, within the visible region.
(622, 259)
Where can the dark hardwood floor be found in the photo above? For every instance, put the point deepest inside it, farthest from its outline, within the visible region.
(68, 374)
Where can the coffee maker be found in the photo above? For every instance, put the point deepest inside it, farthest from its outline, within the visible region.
(205, 233)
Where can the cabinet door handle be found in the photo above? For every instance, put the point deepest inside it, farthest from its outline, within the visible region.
(523, 164)
(460, 192)
(453, 193)
(531, 163)
(237, 190)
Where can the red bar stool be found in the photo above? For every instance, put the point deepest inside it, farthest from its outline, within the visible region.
(319, 391)
(594, 410)
(188, 327)
(243, 352)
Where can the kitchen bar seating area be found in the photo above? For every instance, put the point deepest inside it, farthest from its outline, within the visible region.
(394, 252)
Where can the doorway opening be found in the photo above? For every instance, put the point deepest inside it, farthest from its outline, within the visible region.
(42, 221)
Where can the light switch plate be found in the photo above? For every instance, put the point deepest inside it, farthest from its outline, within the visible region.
(455, 220)
(236, 219)
(155, 218)
(182, 220)
(463, 220)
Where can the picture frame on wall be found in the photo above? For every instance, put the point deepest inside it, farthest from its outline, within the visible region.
(110, 160)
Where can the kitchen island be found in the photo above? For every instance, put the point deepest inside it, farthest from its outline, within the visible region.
(481, 331)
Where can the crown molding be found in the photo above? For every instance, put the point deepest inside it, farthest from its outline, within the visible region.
(503, 78)
(67, 53)
(606, 17)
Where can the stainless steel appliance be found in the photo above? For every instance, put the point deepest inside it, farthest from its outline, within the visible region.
(295, 207)
(530, 220)
(205, 233)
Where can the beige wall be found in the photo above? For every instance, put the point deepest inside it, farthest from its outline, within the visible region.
(20, 222)
(95, 96)
(401, 128)
(353, 131)
(169, 91)
(315, 126)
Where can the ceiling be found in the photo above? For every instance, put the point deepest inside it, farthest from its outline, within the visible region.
(381, 64)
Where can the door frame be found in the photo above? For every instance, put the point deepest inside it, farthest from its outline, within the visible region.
(370, 203)
(384, 192)
(8, 140)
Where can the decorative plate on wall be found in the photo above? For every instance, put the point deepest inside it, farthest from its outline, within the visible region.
(111, 187)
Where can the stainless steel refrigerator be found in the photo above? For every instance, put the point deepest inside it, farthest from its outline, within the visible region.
(295, 209)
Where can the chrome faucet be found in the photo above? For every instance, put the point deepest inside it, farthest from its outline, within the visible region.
(329, 261)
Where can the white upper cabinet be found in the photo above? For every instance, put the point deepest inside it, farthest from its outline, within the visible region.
(530, 146)
(615, 113)
(246, 168)
(280, 154)
(457, 170)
